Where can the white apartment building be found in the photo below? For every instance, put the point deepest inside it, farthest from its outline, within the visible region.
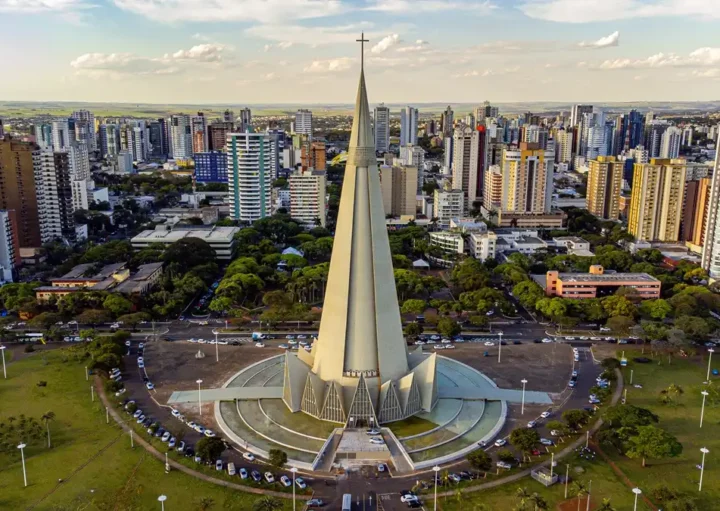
(125, 162)
(250, 175)
(482, 245)
(85, 128)
(303, 123)
(414, 155)
(381, 126)
(448, 242)
(8, 248)
(81, 197)
(563, 146)
(79, 161)
(308, 202)
(409, 126)
(447, 205)
(670, 142)
(180, 136)
(466, 152)
(62, 135)
(398, 184)
(711, 249)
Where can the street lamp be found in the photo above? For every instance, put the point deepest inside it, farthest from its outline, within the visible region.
(22, 455)
(436, 469)
(704, 451)
(499, 346)
(217, 353)
(702, 410)
(636, 491)
(199, 397)
(294, 471)
(162, 499)
(2, 350)
(711, 351)
(588, 496)
(522, 406)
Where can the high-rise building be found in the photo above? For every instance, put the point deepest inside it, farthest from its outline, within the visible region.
(79, 161)
(62, 135)
(303, 123)
(139, 145)
(485, 111)
(670, 142)
(711, 244)
(250, 175)
(228, 116)
(43, 135)
(181, 141)
(109, 140)
(652, 139)
(244, 120)
(577, 113)
(211, 167)
(656, 200)
(466, 154)
(408, 126)
(398, 189)
(200, 133)
(563, 146)
(218, 132)
(85, 128)
(414, 155)
(381, 126)
(448, 204)
(156, 139)
(604, 186)
(9, 246)
(308, 197)
(493, 189)
(447, 120)
(18, 190)
(535, 134)
(125, 162)
(313, 155)
(595, 139)
(53, 180)
(630, 131)
(687, 136)
(527, 179)
(79, 193)
(695, 211)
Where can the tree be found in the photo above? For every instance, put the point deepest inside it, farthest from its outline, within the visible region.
(654, 443)
(480, 460)
(620, 325)
(693, 326)
(655, 309)
(47, 417)
(93, 317)
(205, 503)
(133, 320)
(413, 306)
(44, 320)
(117, 304)
(413, 329)
(616, 305)
(538, 502)
(525, 439)
(560, 427)
(605, 506)
(575, 418)
(523, 497)
(278, 458)
(448, 327)
(580, 490)
(209, 449)
(553, 308)
(528, 293)
(470, 274)
(267, 504)
(186, 253)
(610, 363)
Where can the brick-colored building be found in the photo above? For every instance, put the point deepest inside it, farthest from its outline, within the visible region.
(596, 284)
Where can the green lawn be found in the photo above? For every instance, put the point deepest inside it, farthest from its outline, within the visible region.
(99, 469)
(411, 426)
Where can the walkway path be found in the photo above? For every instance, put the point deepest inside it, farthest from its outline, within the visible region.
(182, 468)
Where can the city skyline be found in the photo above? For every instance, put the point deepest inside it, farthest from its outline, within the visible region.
(300, 51)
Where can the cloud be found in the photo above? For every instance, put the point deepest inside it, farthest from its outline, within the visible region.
(699, 58)
(43, 6)
(329, 66)
(604, 42)
(487, 72)
(317, 36)
(200, 37)
(283, 45)
(200, 53)
(264, 11)
(386, 43)
(706, 73)
(420, 45)
(594, 11)
(418, 6)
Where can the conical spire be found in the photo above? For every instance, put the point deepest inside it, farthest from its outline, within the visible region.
(362, 143)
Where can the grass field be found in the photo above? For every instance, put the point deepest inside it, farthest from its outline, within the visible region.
(411, 426)
(98, 468)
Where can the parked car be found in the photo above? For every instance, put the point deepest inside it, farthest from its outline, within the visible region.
(545, 414)
(181, 447)
(269, 477)
(285, 481)
(300, 483)
(315, 503)
(219, 465)
(248, 456)
(500, 442)
(165, 437)
(531, 424)
(243, 473)
(503, 464)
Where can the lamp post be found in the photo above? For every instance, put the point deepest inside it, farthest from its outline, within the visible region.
(704, 451)
(217, 353)
(87, 374)
(22, 455)
(711, 351)
(587, 439)
(132, 442)
(499, 346)
(636, 491)
(162, 499)
(631, 376)
(2, 351)
(92, 393)
(107, 415)
(436, 469)
(588, 495)
(552, 464)
(294, 471)
(522, 406)
(702, 410)
(567, 478)
(199, 397)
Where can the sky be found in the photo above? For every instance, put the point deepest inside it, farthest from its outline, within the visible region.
(305, 51)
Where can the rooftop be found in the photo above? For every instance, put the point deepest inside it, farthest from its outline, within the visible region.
(607, 277)
(574, 239)
(215, 234)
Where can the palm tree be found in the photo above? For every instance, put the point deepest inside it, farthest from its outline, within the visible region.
(539, 502)
(205, 503)
(523, 495)
(605, 506)
(267, 504)
(458, 495)
(580, 490)
(47, 417)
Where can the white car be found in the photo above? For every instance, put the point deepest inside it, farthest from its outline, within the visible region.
(546, 441)
(489, 343)
(570, 338)
(175, 413)
(141, 346)
(301, 336)
(376, 440)
(419, 343)
(446, 341)
(408, 497)
(120, 392)
(249, 456)
(269, 477)
(584, 338)
(604, 329)
(545, 415)
(574, 374)
(150, 386)
(141, 365)
(439, 347)
(500, 442)
(193, 340)
(166, 436)
(127, 343)
(531, 424)
(547, 340)
(259, 345)
(181, 447)
(209, 433)
(434, 337)
(218, 465)
(137, 414)
(171, 443)
(430, 341)
(202, 341)
(300, 482)
(141, 360)
(554, 432)
(284, 346)
(286, 482)
(450, 347)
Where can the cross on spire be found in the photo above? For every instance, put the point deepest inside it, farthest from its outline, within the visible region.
(362, 42)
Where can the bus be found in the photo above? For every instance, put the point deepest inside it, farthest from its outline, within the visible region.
(30, 337)
(347, 502)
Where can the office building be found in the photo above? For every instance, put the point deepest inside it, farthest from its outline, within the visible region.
(656, 200)
(381, 126)
(43, 135)
(604, 185)
(527, 179)
(156, 139)
(466, 154)
(62, 135)
(597, 284)
(447, 205)
(308, 202)
(85, 128)
(199, 133)
(408, 126)
(630, 130)
(250, 175)
(53, 180)
(695, 211)
(229, 116)
(220, 239)
(180, 136)
(18, 191)
(447, 120)
(577, 113)
(244, 120)
(398, 183)
(125, 162)
(670, 142)
(138, 141)
(652, 139)
(687, 136)
(211, 167)
(303, 123)
(217, 135)
(9, 246)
